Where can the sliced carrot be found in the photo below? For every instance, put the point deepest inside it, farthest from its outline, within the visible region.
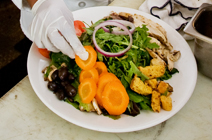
(91, 73)
(87, 90)
(100, 67)
(90, 62)
(115, 98)
(103, 74)
(103, 80)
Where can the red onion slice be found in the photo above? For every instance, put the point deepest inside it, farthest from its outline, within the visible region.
(124, 22)
(113, 23)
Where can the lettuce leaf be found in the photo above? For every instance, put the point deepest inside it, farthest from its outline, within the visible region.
(87, 107)
(144, 101)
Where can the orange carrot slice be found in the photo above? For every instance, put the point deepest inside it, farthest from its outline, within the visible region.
(103, 74)
(90, 62)
(87, 90)
(100, 67)
(115, 98)
(103, 80)
(91, 73)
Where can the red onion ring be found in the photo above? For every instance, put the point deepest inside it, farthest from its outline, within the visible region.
(124, 22)
(113, 23)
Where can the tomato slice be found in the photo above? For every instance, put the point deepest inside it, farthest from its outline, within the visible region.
(79, 27)
(44, 52)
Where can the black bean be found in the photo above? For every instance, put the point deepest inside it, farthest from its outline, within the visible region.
(63, 73)
(53, 86)
(64, 83)
(70, 90)
(54, 75)
(60, 94)
(71, 77)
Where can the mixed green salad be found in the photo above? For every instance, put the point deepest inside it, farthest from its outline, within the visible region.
(125, 67)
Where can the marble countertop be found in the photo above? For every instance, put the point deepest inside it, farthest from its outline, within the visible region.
(25, 117)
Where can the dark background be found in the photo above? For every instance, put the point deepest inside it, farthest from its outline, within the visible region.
(14, 47)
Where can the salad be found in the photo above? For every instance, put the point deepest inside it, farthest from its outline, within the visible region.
(130, 59)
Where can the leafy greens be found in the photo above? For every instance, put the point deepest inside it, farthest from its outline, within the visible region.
(124, 67)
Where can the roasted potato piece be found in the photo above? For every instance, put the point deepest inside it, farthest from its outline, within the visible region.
(156, 61)
(162, 87)
(153, 71)
(155, 101)
(152, 83)
(155, 56)
(166, 102)
(140, 87)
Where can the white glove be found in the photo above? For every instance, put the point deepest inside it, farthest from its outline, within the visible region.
(52, 17)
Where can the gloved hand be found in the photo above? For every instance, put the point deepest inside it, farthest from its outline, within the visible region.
(52, 17)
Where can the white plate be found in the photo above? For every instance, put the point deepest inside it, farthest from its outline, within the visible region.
(183, 82)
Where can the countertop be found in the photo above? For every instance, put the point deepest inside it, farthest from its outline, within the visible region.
(25, 117)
